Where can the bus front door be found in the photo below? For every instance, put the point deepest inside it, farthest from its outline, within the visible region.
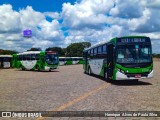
(110, 58)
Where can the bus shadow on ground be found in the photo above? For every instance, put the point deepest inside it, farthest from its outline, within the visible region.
(129, 83)
(123, 82)
(38, 71)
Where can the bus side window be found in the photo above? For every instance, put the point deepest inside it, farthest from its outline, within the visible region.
(37, 56)
(104, 51)
(95, 52)
(91, 53)
(20, 57)
(88, 54)
(24, 57)
(99, 55)
(28, 57)
(33, 56)
(61, 59)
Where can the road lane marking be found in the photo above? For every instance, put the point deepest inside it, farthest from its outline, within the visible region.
(70, 103)
(62, 107)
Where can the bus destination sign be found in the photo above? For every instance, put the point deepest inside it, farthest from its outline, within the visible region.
(51, 52)
(128, 40)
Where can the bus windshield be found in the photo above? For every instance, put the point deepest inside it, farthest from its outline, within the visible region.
(135, 53)
(51, 58)
(6, 59)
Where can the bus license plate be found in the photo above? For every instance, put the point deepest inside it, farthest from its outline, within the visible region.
(137, 76)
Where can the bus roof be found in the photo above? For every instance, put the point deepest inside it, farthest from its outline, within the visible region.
(76, 57)
(104, 42)
(62, 57)
(29, 52)
(70, 57)
(5, 55)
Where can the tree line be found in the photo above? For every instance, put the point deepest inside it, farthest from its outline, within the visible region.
(156, 55)
(73, 50)
(7, 52)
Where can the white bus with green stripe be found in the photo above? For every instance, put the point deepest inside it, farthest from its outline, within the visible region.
(123, 58)
(5, 61)
(70, 60)
(36, 60)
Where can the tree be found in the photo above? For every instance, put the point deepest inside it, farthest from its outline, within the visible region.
(34, 49)
(7, 52)
(156, 55)
(76, 49)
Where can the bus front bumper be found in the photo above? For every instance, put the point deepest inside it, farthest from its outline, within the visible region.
(122, 76)
(49, 68)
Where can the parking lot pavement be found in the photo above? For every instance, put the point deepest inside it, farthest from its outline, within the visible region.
(69, 89)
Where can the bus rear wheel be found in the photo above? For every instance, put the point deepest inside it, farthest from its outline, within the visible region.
(105, 76)
(89, 71)
(22, 68)
(38, 68)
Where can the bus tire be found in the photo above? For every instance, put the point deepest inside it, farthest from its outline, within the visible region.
(22, 68)
(89, 71)
(136, 80)
(38, 68)
(105, 76)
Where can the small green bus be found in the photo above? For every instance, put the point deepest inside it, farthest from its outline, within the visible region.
(122, 58)
(36, 60)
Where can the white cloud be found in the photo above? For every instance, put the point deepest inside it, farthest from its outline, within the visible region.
(49, 30)
(9, 20)
(155, 4)
(127, 9)
(45, 33)
(30, 18)
(53, 15)
(86, 13)
(94, 36)
(86, 20)
(137, 22)
(95, 21)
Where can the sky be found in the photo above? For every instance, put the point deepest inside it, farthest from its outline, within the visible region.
(62, 22)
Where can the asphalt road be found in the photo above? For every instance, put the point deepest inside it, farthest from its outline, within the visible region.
(69, 89)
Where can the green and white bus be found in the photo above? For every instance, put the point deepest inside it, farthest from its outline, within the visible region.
(36, 60)
(70, 60)
(122, 58)
(77, 60)
(5, 61)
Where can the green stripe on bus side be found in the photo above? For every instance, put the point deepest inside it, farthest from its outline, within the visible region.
(69, 62)
(81, 62)
(114, 74)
